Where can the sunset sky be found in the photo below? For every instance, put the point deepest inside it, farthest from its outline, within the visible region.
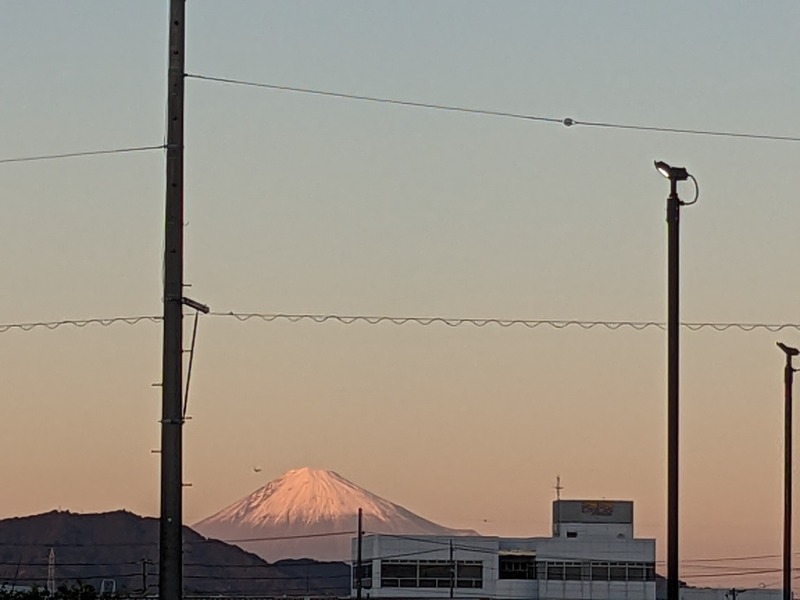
(307, 204)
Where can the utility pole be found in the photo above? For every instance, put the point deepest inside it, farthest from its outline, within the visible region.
(452, 569)
(359, 564)
(788, 380)
(51, 572)
(145, 562)
(170, 559)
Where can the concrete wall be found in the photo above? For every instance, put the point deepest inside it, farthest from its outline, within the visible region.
(597, 590)
(725, 594)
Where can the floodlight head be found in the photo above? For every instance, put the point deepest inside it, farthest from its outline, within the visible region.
(672, 173)
(788, 349)
(662, 168)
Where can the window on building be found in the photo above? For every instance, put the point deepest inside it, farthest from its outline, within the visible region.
(366, 574)
(597, 571)
(618, 572)
(398, 574)
(517, 567)
(469, 574)
(435, 574)
(555, 571)
(432, 574)
(635, 572)
(572, 571)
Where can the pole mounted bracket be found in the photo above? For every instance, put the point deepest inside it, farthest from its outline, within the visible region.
(203, 308)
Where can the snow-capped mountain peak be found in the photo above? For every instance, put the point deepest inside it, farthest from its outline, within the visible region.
(306, 495)
(311, 501)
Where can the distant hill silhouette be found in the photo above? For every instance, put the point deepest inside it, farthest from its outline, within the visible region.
(119, 545)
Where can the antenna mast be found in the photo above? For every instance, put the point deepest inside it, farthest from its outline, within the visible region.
(557, 526)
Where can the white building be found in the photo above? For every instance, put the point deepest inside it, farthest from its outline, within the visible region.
(591, 554)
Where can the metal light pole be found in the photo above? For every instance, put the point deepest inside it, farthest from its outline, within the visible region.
(788, 379)
(674, 203)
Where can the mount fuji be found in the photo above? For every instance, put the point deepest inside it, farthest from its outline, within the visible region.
(311, 513)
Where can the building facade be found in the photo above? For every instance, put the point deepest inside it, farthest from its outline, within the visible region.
(592, 554)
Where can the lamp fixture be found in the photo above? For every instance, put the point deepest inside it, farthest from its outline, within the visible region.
(672, 173)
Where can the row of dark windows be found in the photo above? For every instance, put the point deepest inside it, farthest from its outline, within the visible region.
(527, 567)
(469, 574)
(432, 574)
(517, 567)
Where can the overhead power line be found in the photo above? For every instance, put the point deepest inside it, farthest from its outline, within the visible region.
(412, 320)
(735, 573)
(500, 322)
(734, 558)
(103, 321)
(185, 542)
(346, 96)
(566, 121)
(289, 537)
(77, 154)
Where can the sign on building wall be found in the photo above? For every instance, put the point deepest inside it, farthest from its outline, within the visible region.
(605, 509)
(593, 511)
